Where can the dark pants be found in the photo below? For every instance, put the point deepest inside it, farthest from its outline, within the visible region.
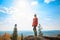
(35, 31)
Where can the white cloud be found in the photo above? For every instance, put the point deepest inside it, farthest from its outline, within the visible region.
(21, 14)
(48, 1)
(2, 11)
(34, 3)
(47, 19)
(5, 10)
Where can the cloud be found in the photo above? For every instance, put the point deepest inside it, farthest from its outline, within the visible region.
(48, 1)
(21, 14)
(2, 10)
(5, 10)
(34, 3)
(47, 19)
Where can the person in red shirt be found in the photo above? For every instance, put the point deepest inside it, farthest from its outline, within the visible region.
(34, 24)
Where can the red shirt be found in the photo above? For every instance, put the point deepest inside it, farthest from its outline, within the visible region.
(35, 21)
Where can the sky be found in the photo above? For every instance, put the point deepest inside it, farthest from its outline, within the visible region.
(21, 12)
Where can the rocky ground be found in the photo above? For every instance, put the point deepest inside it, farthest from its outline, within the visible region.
(41, 38)
(34, 38)
(30, 37)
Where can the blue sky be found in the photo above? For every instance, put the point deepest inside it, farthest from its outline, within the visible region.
(22, 11)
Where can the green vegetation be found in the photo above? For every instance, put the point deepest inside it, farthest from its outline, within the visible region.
(15, 35)
(39, 30)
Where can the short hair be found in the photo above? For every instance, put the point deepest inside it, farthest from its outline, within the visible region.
(34, 14)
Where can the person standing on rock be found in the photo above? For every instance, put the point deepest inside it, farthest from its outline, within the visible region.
(34, 24)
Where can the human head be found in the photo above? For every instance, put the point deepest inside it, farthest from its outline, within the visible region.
(34, 15)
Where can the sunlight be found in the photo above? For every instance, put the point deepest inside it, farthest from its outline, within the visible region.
(22, 15)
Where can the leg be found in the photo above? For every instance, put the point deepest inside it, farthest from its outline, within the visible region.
(35, 31)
